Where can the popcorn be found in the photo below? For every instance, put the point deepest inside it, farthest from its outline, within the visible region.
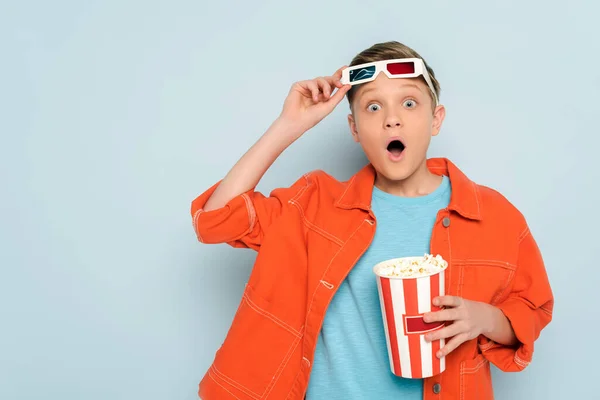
(412, 267)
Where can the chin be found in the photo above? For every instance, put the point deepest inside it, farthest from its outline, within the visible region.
(396, 172)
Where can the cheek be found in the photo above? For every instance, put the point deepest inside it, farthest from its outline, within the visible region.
(369, 143)
(369, 124)
(420, 127)
(420, 135)
(420, 119)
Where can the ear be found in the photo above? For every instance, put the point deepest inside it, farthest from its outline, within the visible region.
(438, 118)
(353, 130)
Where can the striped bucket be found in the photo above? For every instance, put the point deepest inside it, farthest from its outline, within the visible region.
(403, 303)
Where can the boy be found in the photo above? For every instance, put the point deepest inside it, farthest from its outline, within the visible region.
(309, 324)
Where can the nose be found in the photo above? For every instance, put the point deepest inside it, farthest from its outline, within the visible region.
(392, 121)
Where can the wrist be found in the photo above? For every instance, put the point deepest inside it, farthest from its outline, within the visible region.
(492, 315)
(277, 138)
(287, 128)
(497, 326)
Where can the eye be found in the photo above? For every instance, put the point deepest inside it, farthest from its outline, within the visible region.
(373, 107)
(410, 103)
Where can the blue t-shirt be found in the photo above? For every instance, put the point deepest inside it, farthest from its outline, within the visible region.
(351, 358)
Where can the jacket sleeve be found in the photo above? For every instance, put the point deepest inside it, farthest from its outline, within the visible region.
(528, 307)
(243, 221)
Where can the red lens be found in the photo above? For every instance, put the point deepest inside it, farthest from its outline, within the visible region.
(401, 68)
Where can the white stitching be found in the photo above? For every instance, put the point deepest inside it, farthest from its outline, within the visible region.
(282, 366)
(463, 212)
(235, 384)
(302, 189)
(469, 371)
(224, 388)
(297, 373)
(520, 362)
(547, 311)
(488, 345)
(327, 285)
(460, 210)
(461, 279)
(274, 381)
(506, 286)
(306, 360)
(477, 198)
(496, 263)
(489, 262)
(475, 368)
(347, 187)
(195, 223)
(524, 234)
(271, 316)
(294, 381)
(462, 380)
(251, 211)
(451, 262)
(347, 205)
(294, 201)
(312, 226)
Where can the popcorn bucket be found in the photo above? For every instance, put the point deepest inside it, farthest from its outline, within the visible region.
(406, 288)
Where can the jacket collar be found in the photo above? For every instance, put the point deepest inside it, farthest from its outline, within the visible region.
(465, 198)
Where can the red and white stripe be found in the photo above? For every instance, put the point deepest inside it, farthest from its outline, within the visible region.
(403, 303)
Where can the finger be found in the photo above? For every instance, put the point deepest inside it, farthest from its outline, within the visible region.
(449, 314)
(324, 86)
(337, 77)
(448, 301)
(337, 97)
(323, 98)
(338, 74)
(333, 81)
(314, 90)
(303, 88)
(451, 345)
(444, 333)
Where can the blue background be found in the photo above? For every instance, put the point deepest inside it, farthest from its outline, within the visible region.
(116, 114)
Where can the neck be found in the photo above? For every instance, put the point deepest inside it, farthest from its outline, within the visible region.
(420, 183)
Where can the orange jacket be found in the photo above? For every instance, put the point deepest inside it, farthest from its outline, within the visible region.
(310, 235)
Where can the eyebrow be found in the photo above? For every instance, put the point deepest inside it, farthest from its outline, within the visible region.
(406, 85)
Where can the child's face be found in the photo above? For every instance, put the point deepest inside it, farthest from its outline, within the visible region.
(402, 109)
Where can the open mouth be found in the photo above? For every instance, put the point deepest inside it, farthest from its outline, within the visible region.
(396, 147)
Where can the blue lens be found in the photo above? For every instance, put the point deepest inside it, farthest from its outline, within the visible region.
(361, 74)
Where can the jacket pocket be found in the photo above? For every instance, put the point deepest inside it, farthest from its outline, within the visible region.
(484, 280)
(256, 348)
(476, 379)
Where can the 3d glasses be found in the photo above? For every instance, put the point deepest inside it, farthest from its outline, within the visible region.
(397, 68)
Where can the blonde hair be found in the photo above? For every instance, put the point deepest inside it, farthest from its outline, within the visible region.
(387, 51)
